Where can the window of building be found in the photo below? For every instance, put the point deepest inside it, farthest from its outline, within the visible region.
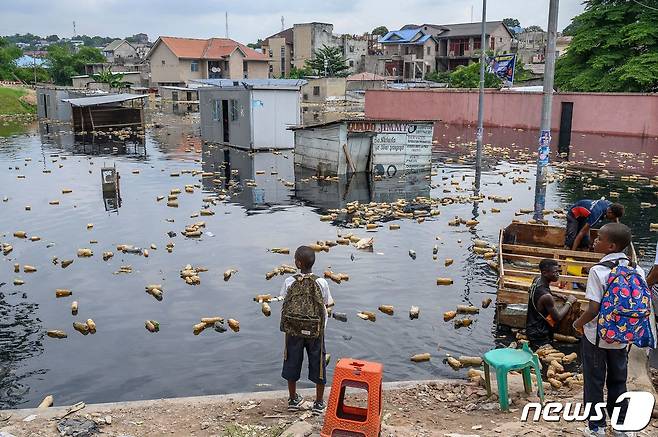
(217, 110)
(477, 43)
(194, 66)
(459, 46)
(500, 40)
(351, 63)
(492, 43)
(235, 112)
(429, 49)
(163, 62)
(283, 52)
(305, 97)
(316, 90)
(245, 69)
(351, 49)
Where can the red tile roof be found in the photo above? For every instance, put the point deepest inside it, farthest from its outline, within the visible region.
(213, 48)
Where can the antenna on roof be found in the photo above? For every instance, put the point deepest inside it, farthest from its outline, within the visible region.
(283, 26)
(471, 13)
(226, 24)
(74, 29)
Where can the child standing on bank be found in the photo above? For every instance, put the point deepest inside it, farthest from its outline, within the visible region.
(303, 319)
(618, 315)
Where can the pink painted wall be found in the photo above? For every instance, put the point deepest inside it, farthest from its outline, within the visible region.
(604, 113)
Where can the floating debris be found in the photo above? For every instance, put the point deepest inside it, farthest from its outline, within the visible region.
(20, 234)
(394, 227)
(412, 254)
(82, 328)
(463, 323)
(47, 402)
(386, 309)
(198, 328)
(280, 250)
(341, 317)
(467, 309)
(234, 325)
(191, 274)
(219, 326)
(56, 333)
(63, 292)
(466, 361)
(454, 363)
(74, 308)
(336, 277)
(66, 262)
(486, 302)
(367, 315)
(92, 326)
(449, 315)
(414, 312)
(155, 290)
(419, 358)
(265, 308)
(85, 253)
(107, 255)
(444, 281)
(228, 273)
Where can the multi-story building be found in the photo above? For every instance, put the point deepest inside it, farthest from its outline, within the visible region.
(309, 37)
(120, 50)
(280, 49)
(175, 61)
(408, 54)
(531, 46)
(295, 45)
(460, 44)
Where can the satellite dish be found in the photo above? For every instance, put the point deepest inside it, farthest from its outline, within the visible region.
(216, 70)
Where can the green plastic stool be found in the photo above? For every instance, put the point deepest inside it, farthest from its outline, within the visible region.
(505, 360)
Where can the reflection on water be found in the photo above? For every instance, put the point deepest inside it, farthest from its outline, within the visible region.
(61, 135)
(21, 337)
(123, 361)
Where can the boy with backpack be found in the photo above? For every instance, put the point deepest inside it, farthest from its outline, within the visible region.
(618, 314)
(303, 319)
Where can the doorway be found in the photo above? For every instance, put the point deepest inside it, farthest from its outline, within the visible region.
(225, 121)
(566, 116)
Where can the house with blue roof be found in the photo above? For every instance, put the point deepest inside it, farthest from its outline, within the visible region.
(410, 53)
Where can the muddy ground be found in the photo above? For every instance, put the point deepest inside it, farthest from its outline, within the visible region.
(441, 408)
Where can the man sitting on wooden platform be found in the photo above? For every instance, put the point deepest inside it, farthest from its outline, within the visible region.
(543, 315)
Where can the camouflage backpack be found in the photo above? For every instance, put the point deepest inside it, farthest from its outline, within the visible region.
(302, 313)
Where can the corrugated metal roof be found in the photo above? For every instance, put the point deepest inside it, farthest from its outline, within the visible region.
(103, 100)
(404, 36)
(254, 83)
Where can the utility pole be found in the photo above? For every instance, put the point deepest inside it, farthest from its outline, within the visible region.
(480, 132)
(226, 19)
(545, 130)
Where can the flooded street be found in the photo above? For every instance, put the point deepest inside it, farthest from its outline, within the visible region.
(124, 361)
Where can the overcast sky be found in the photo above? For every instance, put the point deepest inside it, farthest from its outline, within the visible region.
(253, 19)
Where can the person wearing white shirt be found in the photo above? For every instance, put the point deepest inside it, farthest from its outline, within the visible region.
(604, 363)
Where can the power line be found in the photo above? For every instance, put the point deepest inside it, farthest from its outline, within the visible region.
(646, 6)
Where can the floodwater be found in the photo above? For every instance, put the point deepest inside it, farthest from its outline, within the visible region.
(123, 361)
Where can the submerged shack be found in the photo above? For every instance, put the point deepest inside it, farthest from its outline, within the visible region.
(382, 147)
(251, 114)
(107, 112)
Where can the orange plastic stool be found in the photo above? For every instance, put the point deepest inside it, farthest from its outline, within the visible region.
(347, 421)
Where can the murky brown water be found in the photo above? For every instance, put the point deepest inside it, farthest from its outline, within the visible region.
(123, 361)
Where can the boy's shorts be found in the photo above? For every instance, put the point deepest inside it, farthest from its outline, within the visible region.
(293, 357)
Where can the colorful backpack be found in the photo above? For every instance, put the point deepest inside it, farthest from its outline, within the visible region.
(302, 312)
(624, 315)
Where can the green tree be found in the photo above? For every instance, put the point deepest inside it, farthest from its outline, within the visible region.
(64, 63)
(511, 22)
(9, 53)
(114, 80)
(257, 45)
(380, 30)
(438, 76)
(328, 61)
(614, 48)
(299, 73)
(533, 29)
(469, 77)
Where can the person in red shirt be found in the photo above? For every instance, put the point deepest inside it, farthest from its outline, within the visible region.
(584, 215)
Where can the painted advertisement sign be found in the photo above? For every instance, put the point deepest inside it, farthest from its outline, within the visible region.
(399, 147)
